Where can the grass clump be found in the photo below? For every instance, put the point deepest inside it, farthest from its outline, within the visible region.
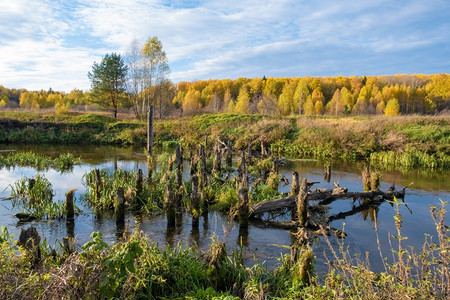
(34, 198)
(101, 192)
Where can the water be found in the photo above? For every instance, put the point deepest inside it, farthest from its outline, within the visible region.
(259, 243)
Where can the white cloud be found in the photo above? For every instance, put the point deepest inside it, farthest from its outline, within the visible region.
(54, 43)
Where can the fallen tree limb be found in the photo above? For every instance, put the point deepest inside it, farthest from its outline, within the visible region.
(326, 195)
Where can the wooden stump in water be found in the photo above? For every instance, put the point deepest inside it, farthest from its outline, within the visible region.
(195, 201)
(150, 131)
(243, 174)
(169, 205)
(120, 205)
(98, 184)
(178, 157)
(302, 203)
(70, 212)
(30, 239)
(149, 168)
(365, 174)
(275, 165)
(295, 186)
(229, 157)
(203, 170)
(243, 207)
(263, 149)
(192, 164)
(139, 187)
(217, 162)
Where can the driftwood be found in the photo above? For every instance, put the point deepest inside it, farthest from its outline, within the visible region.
(326, 195)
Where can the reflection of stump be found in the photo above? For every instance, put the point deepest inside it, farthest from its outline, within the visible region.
(327, 175)
(195, 201)
(169, 205)
(243, 207)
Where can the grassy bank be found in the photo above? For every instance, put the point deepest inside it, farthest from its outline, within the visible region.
(407, 141)
(135, 268)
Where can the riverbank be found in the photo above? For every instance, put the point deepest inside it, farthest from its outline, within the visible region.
(412, 141)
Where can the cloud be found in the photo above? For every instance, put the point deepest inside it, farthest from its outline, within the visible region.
(54, 43)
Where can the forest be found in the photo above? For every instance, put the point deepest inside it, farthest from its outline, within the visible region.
(365, 95)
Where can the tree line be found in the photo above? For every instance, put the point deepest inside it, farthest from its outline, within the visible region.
(140, 79)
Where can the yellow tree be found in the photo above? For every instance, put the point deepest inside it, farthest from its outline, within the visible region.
(267, 105)
(309, 106)
(318, 107)
(380, 107)
(243, 101)
(392, 108)
(286, 100)
(227, 99)
(300, 95)
(191, 102)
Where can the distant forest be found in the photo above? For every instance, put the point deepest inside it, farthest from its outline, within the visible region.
(366, 95)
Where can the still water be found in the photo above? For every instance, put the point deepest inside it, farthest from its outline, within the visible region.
(260, 243)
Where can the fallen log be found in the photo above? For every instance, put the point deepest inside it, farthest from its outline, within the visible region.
(326, 195)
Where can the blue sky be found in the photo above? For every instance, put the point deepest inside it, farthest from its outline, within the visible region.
(53, 43)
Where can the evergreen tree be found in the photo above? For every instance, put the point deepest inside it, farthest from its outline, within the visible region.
(108, 82)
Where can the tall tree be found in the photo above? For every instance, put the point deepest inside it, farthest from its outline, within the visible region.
(108, 81)
(155, 70)
(243, 101)
(135, 84)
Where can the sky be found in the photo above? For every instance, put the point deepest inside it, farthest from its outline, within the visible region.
(54, 43)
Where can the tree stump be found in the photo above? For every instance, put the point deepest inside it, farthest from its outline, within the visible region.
(295, 186)
(243, 207)
(217, 162)
(195, 201)
(150, 131)
(30, 239)
(229, 157)
(70, 211)
(98, 184)
(120, 204)
(178, 157)
(302, 203)
(139, 187)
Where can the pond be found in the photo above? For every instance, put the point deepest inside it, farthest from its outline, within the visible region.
(260, 243)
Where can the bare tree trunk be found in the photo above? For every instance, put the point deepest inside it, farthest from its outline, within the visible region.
(150, 132)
